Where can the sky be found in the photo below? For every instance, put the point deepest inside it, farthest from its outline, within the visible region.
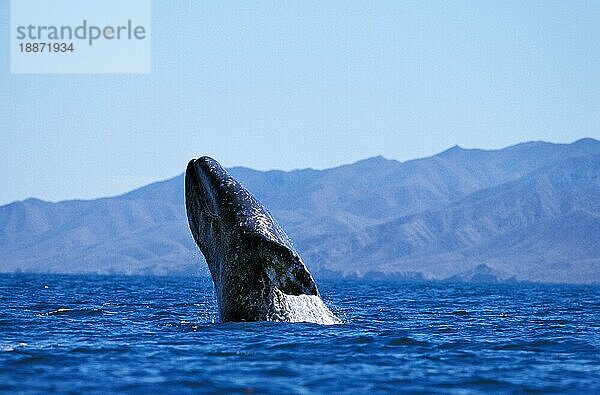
(287, 85)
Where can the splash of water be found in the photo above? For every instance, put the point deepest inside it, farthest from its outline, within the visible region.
(301, 308)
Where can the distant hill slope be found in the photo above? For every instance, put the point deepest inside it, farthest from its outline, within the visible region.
(530, 211)
(544, 226)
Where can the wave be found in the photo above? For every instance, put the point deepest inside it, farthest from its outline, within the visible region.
(63, 311)
(301, 308)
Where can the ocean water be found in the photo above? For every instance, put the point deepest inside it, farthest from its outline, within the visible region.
(98, 334)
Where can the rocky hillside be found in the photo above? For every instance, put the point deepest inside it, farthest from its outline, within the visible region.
(527, 212)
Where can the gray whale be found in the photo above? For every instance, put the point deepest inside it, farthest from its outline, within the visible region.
(257, 273)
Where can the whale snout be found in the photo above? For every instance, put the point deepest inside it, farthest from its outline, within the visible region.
(201, 197)
(209, 171)
(202, 184)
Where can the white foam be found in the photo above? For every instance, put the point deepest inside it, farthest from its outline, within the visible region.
(301, 308)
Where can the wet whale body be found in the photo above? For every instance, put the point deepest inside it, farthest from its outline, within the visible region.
(257, 273)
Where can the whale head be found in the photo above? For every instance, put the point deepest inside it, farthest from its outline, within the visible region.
(250, 258)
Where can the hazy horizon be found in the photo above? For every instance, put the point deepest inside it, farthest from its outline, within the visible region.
(287, 170)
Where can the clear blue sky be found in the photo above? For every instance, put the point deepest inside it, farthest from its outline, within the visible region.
(303, 84)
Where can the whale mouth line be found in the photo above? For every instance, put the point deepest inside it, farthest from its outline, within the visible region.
(194, 192)
(199, 213)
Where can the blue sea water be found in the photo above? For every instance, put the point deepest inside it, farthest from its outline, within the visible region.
(98, 334)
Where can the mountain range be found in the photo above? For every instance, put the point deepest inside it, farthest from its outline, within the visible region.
(529, 212)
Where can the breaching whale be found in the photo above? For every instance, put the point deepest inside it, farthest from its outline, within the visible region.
(257, 273)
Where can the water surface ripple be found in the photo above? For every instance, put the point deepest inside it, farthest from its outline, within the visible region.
(98, 334)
